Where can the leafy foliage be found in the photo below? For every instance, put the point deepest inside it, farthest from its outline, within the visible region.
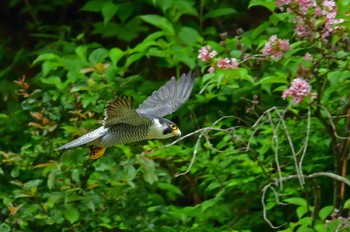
(249, 161)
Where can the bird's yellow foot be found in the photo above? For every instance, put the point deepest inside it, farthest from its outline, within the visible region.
(96, 152)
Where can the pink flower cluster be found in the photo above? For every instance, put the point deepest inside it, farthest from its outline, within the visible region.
(275, 48)
(298, 90)
(206, 55)
(313, 16)
(302, 5)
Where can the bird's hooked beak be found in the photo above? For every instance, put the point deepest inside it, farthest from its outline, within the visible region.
(177, 132)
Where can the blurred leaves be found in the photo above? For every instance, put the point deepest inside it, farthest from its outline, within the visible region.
(244, 135)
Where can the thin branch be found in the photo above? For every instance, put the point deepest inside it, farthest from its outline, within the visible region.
(308, 128)
(227, 130)
(31, 13)
(193, 157)
(202, 90)
(329, 116)
(203, 132)
(294, 155)
(314, 175)
(277, 182)
(264, 190)
(275, 140)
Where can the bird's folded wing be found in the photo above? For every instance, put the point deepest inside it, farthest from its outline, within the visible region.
(121, 110)
(168, 98)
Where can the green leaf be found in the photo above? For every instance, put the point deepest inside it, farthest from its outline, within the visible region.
(294, 48)
(301, 211)
(149, 167)
(76, 175)
(297, 201)
(188, 35)
(115, 54)
(347, 204)
(130, 172)
(269, 4)
(93, 6)
(89, 98)
(219, 12)
(305, 229)
(46, 57)
(169, 187)
(325, 212)
(163, 4)
(131, 59)
(321, 228)
(98, 56)
(32, 185)
(3, 116)
(48, 66)
(51, 179)
(273, 79)
(186, 7)
(5, 227)
(160, 22)
(52, 80)
(305, 222)
(81, 51)
(151, 38)
(125, 10)
(71, 213)
(109, 9)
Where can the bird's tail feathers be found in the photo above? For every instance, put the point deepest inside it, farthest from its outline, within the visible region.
(89, 137)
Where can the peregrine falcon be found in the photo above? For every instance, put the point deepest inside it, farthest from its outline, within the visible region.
(123, 124)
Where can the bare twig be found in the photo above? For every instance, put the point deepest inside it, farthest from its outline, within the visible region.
(277, 182)
(193, 157)
(306, 142)
(275, 140)
(264, 206)
(294, 155)
(329, 116)
(203, 132)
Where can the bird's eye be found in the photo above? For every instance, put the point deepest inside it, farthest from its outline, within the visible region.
(173, 126)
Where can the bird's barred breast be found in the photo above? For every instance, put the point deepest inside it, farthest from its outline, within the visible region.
(124, 133)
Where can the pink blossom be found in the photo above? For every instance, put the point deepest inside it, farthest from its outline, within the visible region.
(211, 69)
(280, 3)
(312, 17)
(226, 63)
(205, 54)
(318, 11)
(283, 45)
(329, 4)
(307, 56)
(298, 90)
(275, 48)
(305, 5)
(302, 30)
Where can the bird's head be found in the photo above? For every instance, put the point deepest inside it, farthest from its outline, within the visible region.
(162, 128)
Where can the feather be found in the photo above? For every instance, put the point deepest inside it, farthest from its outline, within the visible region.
(122, 110)
(168, 98)
(89, 137)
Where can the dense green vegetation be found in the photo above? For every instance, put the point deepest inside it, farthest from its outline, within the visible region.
(266, 130)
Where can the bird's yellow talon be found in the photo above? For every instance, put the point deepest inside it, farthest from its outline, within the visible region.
(96, 152)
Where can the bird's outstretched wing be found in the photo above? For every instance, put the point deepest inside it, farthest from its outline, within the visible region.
(168, 98)
(122, 110)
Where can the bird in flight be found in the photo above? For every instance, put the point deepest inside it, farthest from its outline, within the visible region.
(125, 124)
